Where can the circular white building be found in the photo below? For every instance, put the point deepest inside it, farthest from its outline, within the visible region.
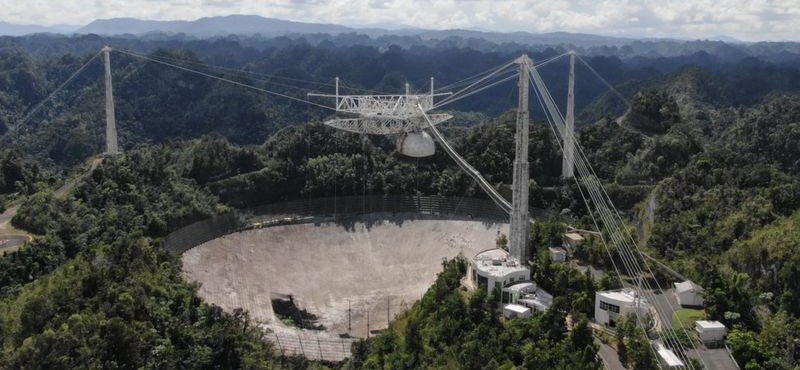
(496, 268)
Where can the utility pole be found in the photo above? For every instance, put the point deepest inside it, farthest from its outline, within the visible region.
(367, 323)
(348, 316)
(388, 321)
(568, 164)
(112, 147)
(519, 212)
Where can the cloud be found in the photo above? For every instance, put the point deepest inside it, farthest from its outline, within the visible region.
(747, 20)
(221, 3)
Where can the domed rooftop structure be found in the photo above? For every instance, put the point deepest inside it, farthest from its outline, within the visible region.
(416, 144)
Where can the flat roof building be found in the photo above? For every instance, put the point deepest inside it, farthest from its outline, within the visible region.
(528, 294)
(610, 304)
(495, 268)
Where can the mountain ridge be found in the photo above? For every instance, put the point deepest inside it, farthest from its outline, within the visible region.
(14, 29)
(238, 24)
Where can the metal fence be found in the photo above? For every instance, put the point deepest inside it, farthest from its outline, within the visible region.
(355, 205)
(311, 346)
(333, 209)
(190, 236)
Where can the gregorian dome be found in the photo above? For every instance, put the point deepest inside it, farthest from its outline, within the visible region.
(416, 144)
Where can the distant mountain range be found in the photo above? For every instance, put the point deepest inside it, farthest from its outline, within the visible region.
(271, 27)
(11, 29)
(252, 24)
(211, 26)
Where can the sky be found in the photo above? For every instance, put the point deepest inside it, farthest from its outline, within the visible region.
(747, 20)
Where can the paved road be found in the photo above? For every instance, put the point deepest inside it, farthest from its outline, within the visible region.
(10, 239)
(10, 243)
(667, 305)
(714, 359)
(7, 215)
(609, 356)
(70, 184)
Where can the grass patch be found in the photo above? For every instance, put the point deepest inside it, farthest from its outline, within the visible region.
(687, 317)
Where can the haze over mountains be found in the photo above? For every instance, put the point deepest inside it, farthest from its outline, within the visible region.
(12, 29)
(210, 26)
(272, 27)
(253, 30)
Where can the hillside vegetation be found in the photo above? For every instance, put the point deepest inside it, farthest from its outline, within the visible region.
(96, 289)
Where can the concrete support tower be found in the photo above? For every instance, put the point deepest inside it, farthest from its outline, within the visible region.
(112, 147)
(568, 163)
(520, 218)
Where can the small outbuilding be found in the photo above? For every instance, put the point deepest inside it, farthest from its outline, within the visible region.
(558, 254)
(710, 332)
(528, 294)
(571, 241)
(513, 311)
(689, 294)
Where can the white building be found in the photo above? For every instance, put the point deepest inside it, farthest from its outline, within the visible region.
(557, 254)
(528, 294)
(571, 241)
(611, 304)
(496, 268)
(513, 311)
(689, 294)
(669, 360)
(710, 332)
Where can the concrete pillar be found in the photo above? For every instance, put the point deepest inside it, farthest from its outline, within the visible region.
(568, 163)
(112, 147)
(520, 217)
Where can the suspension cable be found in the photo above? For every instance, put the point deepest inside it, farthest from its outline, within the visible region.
(493, 73)
(626, 252)
(227, 80)
(56, 91)
(464, 81)
(234, 71)
(596, 202)
(229, 69)
(510, 77)
(604, 81)
(476, 76)
(477, 87)
(628, 259)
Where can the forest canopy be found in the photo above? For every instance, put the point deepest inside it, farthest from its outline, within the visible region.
(703, 166)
